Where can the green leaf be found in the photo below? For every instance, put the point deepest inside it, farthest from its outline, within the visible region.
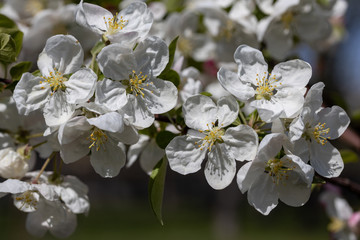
(172, 49)
(94, 52)
(206, 94)
(7, 48)
(171, 76)
(36, 73)
(237, 122)
(156, 188)
(20, 68)
(349, 156)
(6, 22)
(163, 138)
(18, 38)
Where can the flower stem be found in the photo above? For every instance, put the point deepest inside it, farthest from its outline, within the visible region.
(242, 117)
(43, 167)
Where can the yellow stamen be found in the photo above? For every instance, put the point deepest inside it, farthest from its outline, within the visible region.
(114, 24)
(266, 86)
(136, 82)
(98, 138)
(28, 199)
(213, 135)
(56, 81)
(278, 169)
(319, 132)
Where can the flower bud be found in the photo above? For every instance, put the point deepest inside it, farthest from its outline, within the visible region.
(12, 164)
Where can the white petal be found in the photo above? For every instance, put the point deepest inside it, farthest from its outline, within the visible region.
(117, 62)
(294, 73)
(112, 94)
(29, 94)
(92, 17)
(270, 146)
(63, 53)
(313, 98)
(108, 161)
(140, 115)
(150, 156)
(152, 56)
(220, 168)
(184, 156)
(200, 112)
(80, 86)
(128, 136)
(139, 21)
(228, 110)
(160, 96)
(262, 194)
(134, 150)
(57, 110)
(268, 110)
(292, 101)
(52, 216)
(312, 26)
(296, 189)
(231, 82)
(111, 122)
(251, 62)
(326, 160)
(241, 142)
(248, 174)
(336, 120)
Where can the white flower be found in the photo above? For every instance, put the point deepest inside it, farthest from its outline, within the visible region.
(100, 134)
(136, 83)
(291, 18)
(126, 27)
(51, 206)
(54, 91)
(275, 94)
(222, 146)
(269, 178)
(191, 84)
(148, 153)
(315, 127)
(341, 215)
(12, 164)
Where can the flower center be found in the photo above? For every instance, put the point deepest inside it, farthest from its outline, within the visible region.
(213, 135)
(265, 86)
(114, 24)
(97, 138)
(228, 30)
(34, 6)
(136, 83)
(278, 170)
(336, 225)
(319, 132)
(28, 200)
(185, 46)
(56, 80)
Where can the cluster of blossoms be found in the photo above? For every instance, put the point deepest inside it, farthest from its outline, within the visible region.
(112, 107)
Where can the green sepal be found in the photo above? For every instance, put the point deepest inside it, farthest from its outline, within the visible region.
(156, 188)
(206, 94)
(163, 138)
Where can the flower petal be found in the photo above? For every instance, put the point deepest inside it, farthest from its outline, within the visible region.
(81, 86)
(200, 112)
(231, 82)
(62, 53)
(251, 62)
(220, 168)
(108, 161)
(160, 96)
(150, 156)
(184, 156)
(336, 120)
(241, 142)
(228, 110)
(110, 93)
(111, 122)
(57, 110)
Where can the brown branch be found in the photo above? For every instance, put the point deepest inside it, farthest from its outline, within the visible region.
(343, 183)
